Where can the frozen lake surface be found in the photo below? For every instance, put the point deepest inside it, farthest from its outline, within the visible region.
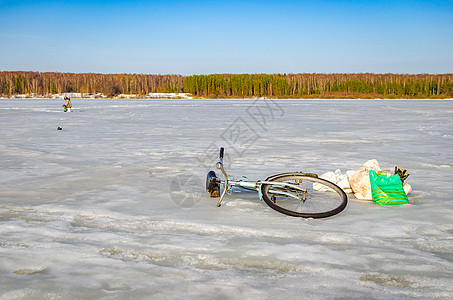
(113, 205)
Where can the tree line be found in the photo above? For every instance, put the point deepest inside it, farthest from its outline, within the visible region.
(361, 85)
(364, 85)
(43, 84)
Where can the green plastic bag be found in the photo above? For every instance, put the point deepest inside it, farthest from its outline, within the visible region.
(387, 190)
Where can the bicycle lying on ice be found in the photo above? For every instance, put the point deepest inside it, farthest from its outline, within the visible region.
(295, 194)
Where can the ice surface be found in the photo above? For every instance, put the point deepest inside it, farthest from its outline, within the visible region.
(113, 205)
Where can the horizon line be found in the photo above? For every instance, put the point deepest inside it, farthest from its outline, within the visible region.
(278, 73)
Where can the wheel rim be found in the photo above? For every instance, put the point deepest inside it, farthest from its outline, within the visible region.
(316, 205)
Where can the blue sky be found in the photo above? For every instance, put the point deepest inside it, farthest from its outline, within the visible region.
(206, 37)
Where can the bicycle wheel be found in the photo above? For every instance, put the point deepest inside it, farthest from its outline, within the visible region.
(293, 194)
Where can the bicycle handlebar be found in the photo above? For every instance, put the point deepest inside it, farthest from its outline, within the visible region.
(220, 166)
(222, 150)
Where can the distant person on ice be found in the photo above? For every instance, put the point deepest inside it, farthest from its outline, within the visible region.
(67, 104)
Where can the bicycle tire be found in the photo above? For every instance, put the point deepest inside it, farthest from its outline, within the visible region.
(316, 204)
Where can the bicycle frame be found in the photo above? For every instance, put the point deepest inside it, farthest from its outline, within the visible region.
(254, 185)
